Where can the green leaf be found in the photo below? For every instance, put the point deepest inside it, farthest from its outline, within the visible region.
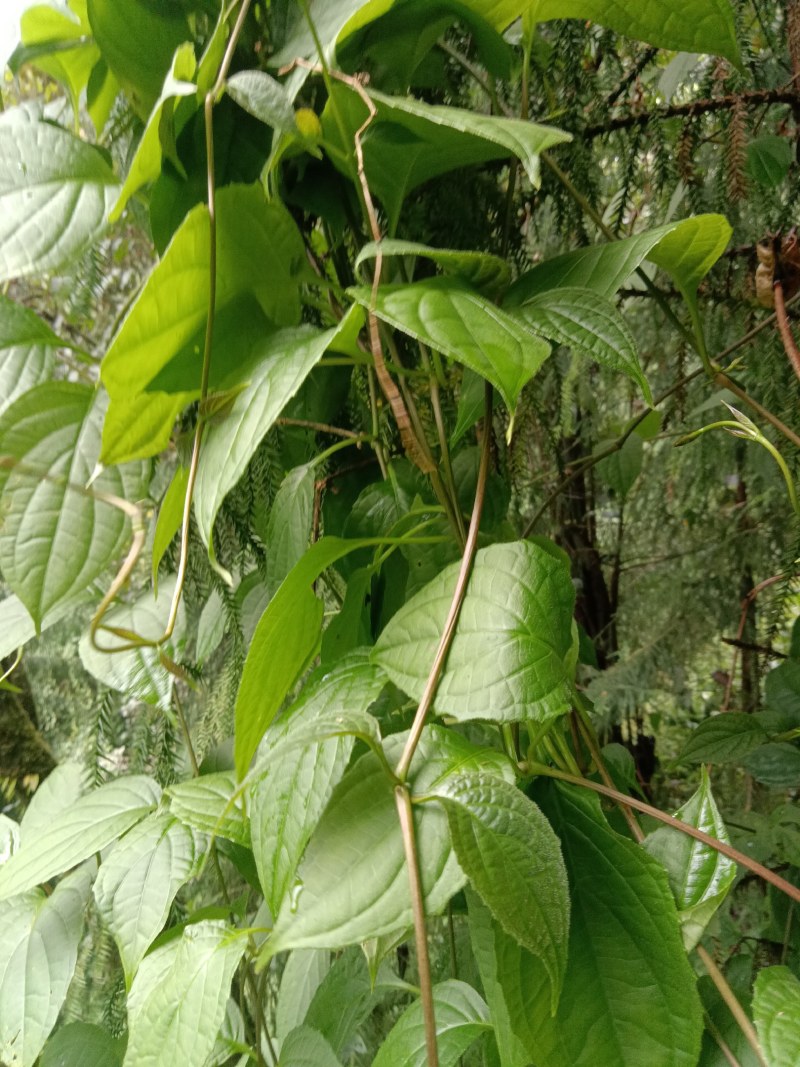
(27, 351)
(170, 518)
(448, 316)
(280, 365)
(776, 1007)
(345, 998)
(509, 658)
(782, 693)
(509, 852)
(686, 250)
(769, 159)
(55, 193)
(776, 765)
(137, 40)
(352, 883)
(699, 876)
(145, 166)
(264, 98)
(208, 804)
(471, 404)
(77, 1044)
(681, 25)
(299, 767)
(211, 627)
(259, 252)
(622, 468)
(177, 1002)
(39, 937)
(461, 1018)
(138, 882)
(302, 976)
(54, 540)
(140, 426)
(408, 142)
(85, 827)
(63, 786)
(289, 526)
(59, 43)
(629, 994)
(723, 739)
(591, 325)
(304, 1047)
(490, 274)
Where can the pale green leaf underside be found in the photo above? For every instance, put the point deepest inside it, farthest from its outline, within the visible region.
(507, 661)
(39, 937)
(27, 351)
(686, 250)
(55, 193)
(176, 1008)
(776, 1008)
(55, 541)
(208, 804)
(448, 316)
(591, 325)
(138, 882)
(86, 827)
(461, 1018)
(510, 854)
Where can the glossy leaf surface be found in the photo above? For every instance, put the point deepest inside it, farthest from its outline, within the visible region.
(508, 660)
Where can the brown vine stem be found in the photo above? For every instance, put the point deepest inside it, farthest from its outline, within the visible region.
(789, 343)
(677, 824)
(406, 815)
(736, 1009)
(745, 607)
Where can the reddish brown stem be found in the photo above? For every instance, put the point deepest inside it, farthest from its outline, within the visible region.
(789, 343)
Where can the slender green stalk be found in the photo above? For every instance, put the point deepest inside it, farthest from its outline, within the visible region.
(736, 1009)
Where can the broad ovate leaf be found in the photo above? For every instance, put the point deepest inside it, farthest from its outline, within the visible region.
(137, 672)
(723, 738)
(686, 250)
(776, 1008)
(591, 325)
(449, 316)
(512, 857)
(299, 768)
(212, 804)
(85, 827)
(138, 882)
(264, 98)
(489, 274)
(55, 536)
(699, 876)
(178, 998)
(39, 938)
(352, 883)
(77, 1044)
(461, 1018)
(511, 656)
(27, 351)
(63, 786)
(55, 193)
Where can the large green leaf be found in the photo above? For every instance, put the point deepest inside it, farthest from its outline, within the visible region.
(138, 40)
(490, 274)
(305, 1047)
(279, 366)
(55, 193)
(137, 672)
(408, 142)
(39, 937)
(447, 315)
(54, 540)
(776, 1007)
(723, 738)
(63, 786)
(146, 163)
(591, 325)
(77, 1044)
(509, 852)
(294, 785)
(302, 976)
(776, 764)
(178, 997)
(138, 882)
(345, 998)
(208, 804)
(85, 827)
(59, 43)
(699, 876)
(686, 250)
(289, 526)
(352, 883)
(27, 351)
(461, 1018)
(259, 252)
(680, 25)
(510, 656)
(629, 995)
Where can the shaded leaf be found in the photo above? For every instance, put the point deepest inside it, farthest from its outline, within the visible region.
(289, 526)
(304, 971)
(723, 738)
(483, 271)
(77, 1044)
(776, 765)
(264, 98)
(776, 1007)
(305, 1047)
(769, 159)
(461, 1018)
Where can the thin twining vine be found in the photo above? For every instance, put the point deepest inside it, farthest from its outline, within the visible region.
(124, 573)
